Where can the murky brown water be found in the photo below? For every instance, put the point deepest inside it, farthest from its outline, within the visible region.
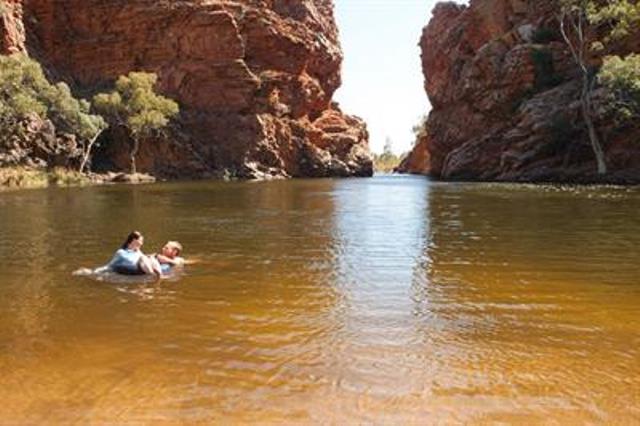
(386, 300)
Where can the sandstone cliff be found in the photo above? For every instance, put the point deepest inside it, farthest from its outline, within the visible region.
(504, 93)
(254, 79)
(12, 36)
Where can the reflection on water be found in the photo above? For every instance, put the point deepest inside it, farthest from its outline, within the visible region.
(388, 299)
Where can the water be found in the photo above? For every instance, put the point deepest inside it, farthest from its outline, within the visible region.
(390, 300)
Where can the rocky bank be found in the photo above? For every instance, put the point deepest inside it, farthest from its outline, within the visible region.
(504, 93)
(254, 80)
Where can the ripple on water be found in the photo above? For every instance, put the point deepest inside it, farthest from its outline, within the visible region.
(384, 300)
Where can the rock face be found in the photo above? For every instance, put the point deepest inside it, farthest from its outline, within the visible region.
(12, 36)
(39, 146)
(418, 160)
(254, 79)
(504, 92)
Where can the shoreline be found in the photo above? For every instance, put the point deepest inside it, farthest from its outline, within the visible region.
(587, 180)
(18, 178)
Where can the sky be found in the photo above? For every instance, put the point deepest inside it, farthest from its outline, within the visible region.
(382, 80)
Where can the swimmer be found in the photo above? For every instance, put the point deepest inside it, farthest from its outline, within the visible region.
(130, 260)
(169, 256)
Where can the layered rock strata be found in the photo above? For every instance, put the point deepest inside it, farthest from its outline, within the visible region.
(504, 92)
(254, 79)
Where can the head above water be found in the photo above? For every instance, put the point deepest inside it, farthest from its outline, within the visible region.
(134, 241)
(172, 249)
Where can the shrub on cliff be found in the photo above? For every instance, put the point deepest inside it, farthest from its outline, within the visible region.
(135, 105)
(24, 91)
(588, 25)
(620, 75)
(622, 78)
(619, 17)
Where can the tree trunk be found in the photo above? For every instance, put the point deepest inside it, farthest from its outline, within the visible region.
(87, 153)
(578, 53)
(134, 152)
(586, 107)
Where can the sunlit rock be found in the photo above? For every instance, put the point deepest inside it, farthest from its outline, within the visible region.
(252, 79)
(504, 91)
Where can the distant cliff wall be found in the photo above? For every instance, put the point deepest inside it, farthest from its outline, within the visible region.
(504, 92)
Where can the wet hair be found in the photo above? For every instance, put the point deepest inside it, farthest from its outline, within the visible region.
(135, 235)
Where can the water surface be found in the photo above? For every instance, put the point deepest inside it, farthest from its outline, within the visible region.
(391, 299)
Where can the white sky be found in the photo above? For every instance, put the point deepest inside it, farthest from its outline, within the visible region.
(382, 79)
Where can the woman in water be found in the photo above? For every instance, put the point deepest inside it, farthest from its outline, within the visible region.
(130, 260)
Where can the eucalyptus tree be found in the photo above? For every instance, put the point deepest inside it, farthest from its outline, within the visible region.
(135, 105)
(621, 75)
(25, 92)
(588, 26)
(574, 27)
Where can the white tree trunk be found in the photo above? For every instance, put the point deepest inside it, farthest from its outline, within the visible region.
(134, 152)
(587, 113)
(578, 53)
(87, 153)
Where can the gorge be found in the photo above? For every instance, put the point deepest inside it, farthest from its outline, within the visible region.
(395, 299)
(255, 80)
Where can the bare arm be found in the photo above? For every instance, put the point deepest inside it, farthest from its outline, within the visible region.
(176, 261)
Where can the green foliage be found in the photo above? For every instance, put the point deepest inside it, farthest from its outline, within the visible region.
(621, 17)
(615, 19)
(622, 77)
(22, 87)
(592, 24)
(545, 76)
(387, 161)
(25, 90)
(135, 104)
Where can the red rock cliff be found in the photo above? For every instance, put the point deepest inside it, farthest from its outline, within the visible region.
(254, 79)
(12, 34)
(505, 103)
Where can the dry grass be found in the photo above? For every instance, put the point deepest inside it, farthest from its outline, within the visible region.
(65, 177)
(23, 177)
